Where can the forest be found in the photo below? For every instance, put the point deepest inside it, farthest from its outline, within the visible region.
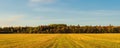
(60, 28)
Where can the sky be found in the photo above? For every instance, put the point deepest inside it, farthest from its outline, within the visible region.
(71, 12)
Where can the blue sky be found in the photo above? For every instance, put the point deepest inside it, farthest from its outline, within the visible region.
(71, 12)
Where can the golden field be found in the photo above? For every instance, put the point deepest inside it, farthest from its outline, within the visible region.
(59, 40)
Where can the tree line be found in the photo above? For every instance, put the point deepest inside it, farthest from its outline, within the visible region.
(61, 28)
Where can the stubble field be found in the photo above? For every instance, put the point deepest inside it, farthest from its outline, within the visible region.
(59, 40)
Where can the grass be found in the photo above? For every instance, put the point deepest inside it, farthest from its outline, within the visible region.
(59, 40)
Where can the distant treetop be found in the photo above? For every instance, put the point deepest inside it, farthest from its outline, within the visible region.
(57, 25)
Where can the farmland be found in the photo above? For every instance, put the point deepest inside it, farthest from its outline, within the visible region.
(59, 40)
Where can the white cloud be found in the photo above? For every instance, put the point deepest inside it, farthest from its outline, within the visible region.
(73, 17)
(33, 3)
(10, 19)
(42, 1)
(38, 2)
(78, 12)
